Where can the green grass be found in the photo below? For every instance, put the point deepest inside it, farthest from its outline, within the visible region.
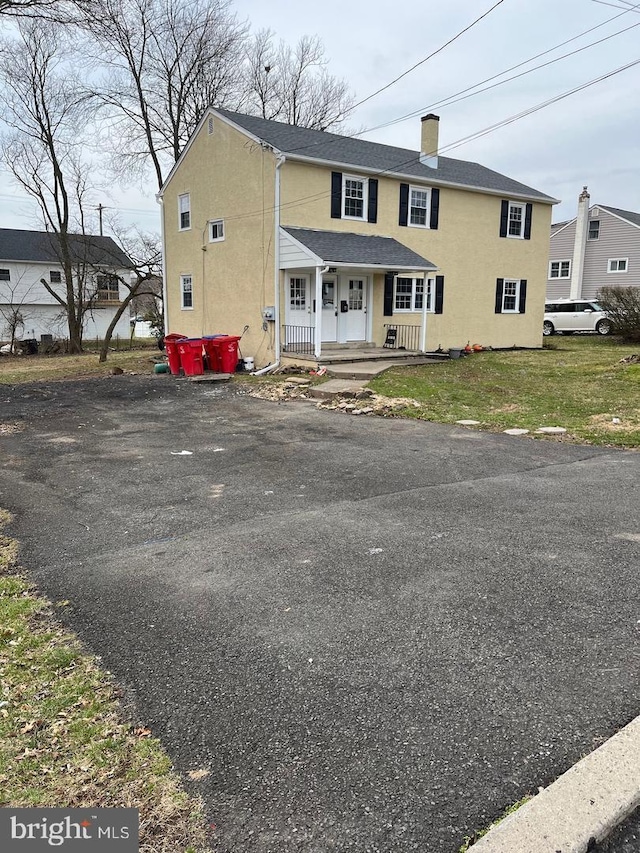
(470, 840)
(575, 382)
(64, 740)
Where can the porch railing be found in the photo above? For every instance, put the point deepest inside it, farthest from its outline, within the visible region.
(402, 337)
(299, 339)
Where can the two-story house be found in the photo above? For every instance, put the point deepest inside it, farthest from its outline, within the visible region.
(29, 257)
(311, 239)
(599, 248)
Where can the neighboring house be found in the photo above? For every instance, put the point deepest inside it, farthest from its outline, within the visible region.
(600, 247)
(264, 223)
(27, 257)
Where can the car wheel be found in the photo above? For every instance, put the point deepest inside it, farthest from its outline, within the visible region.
(547, 328)
(604, 327)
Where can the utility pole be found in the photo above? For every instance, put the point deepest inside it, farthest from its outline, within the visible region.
(100, 208)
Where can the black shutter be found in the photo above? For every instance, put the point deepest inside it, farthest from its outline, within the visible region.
(336, 195)
(439, 294)
(435, 208)
(527, 222)
(523, 295)
(499, 291)
(388, 294)
(404, 204)
(504, 219)
(372, 208)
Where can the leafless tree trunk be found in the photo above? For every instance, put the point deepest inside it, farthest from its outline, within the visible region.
(46, 114)
(13, 297)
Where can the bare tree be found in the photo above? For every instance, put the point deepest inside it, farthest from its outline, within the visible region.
(145, 255)
(59, 10)
(14, 296)
(46, 115)
(293, 84)
(167, 61)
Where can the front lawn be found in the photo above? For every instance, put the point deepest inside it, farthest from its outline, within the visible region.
(35, 368)
(575, 382)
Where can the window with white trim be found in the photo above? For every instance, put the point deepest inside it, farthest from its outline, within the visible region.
(55, 277)
(5, 275)
(108, 288)
(594, 229)
(617, 264)
(515, 221)
(298, 293)
(184, 212)
(186, 291)
(511, 296)
(354, 197)
(410, 294)
(560, 269)
(216, 230)
(419, 207)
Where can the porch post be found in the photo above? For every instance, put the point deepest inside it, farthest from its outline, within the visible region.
(318, 325)
(423, 331)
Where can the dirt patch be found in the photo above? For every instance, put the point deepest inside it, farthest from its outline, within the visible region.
(612, 423)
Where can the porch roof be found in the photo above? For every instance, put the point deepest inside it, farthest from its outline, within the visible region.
(339, 248)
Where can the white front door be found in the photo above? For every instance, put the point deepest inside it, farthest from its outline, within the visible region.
(353, 308)
(329, 309)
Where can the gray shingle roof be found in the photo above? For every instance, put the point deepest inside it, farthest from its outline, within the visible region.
(25, 246)
(625, 214)
(344, 248)
(320, 145)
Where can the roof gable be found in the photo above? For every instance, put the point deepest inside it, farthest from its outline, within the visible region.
(633, 218)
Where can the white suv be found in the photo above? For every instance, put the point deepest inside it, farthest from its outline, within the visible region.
(575, 315)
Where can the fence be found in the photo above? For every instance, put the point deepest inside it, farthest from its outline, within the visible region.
(299, 339)
(402, 337)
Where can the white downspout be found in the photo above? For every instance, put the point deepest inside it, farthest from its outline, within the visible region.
(165, 301)
(423, 333)
(276, 251)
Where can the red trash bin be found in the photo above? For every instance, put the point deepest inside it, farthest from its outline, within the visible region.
(171, 349)
(212, 352)
(227, 347)
(190, 350)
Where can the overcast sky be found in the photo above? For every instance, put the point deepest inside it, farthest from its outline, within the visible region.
(588, 138)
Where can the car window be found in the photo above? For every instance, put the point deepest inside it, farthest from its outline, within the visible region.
(596, 306)
(582, 306)
(566, 307)
(550, 307)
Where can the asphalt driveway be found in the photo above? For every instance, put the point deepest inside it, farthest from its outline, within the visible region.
(375, 634)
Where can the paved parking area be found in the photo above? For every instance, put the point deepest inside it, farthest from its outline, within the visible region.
(375, 634)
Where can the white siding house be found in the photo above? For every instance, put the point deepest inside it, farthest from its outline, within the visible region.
(28, 257)
(600, 247)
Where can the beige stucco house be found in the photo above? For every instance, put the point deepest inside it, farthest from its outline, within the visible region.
(312, 240)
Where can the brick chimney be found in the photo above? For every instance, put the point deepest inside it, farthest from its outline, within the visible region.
(579, 245)
(429, 140)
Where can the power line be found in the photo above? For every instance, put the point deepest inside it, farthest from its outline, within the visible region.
(427, 58)
(454, 98)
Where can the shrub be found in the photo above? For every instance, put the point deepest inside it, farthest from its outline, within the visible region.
(622, 304)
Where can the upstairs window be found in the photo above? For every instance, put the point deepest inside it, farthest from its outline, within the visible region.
(560, 269)
(108, 288)
(617, 264)
(5, 275)
(419, 207)
(55, 277)
(216, 230)
(594, 229)
(354, 197)
(186, 291)
(515, 220)
(184, 211)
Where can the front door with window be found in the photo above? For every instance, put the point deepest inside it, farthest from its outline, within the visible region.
(329, 310)
(353, 308)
